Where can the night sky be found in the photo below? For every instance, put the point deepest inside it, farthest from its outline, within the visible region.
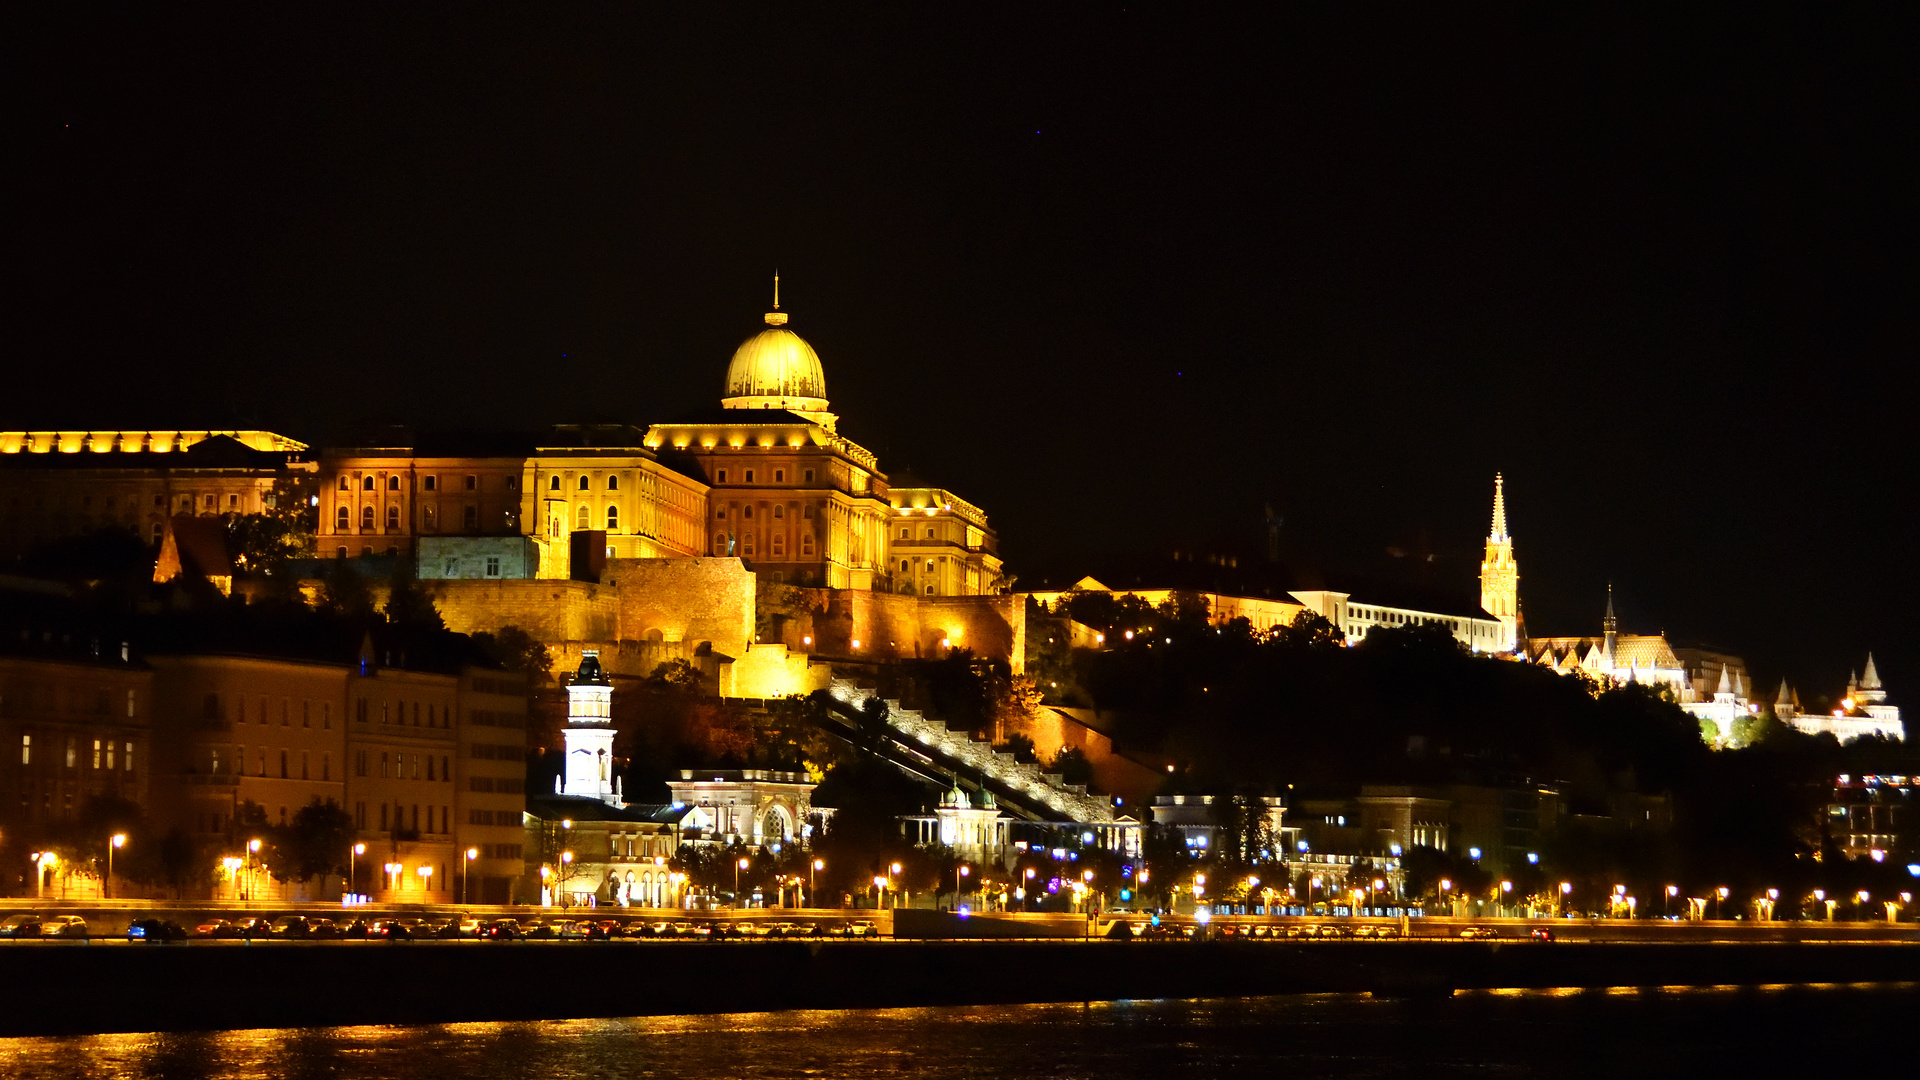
(1123, 276)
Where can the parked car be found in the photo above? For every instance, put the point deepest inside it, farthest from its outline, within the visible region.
(1541, 933)
(356, 929)
(388, 930)
(862, 928)
(468, 927)
(155, 930)
(1479, 933)
(216, 928)
(20, 926)
(252, 927)
(502, 930)
(289, 928)
(66, 926)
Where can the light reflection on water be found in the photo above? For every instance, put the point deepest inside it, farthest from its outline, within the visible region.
(1620, 1031)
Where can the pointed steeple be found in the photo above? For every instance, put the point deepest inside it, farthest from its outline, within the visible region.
(1500, 573)
(1609, 628)
(1785, 697)
(1870, 678)
(1499, 509)
(1726, 685)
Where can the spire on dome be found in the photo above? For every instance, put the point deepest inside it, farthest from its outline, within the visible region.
(776, 317)
(1499, 509)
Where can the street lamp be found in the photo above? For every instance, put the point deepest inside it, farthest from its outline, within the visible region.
(960, 884)
(116, 840)
(253, 848)
(895, 886)
(812, 872)
(466, 873)
(1566, 889)
(737, 867)
(1446, 884)
(426, 879)
(1667, 899)
(1720, 894)
(353, 866)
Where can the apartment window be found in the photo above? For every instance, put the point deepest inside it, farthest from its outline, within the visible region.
(429, 483)
(286, 712)
(906, 565)
(96, 754)
(306, 714)
(779, 476)
(493, 566)
(283, 766)
(932, 532)
(473, 483)
(73, 753)
(158, 531)
(233, 502)
(383, 764)
(582, 519)
(129, 693)
(513, 483)
(360, 763)
(26, 749)
(746, 544)
(929, 590)
(359, 815)
(416, 818)
(416, 768)
(613, 482)
(906, 534)
(613, 518)
(430, 775)
(126, 758)
(109, 755)
(326, 765)
(343, 519)
(212, 501)
(471, 518)
(383, 817)
(749, 476)
(260, 762)
(722, 477)
(446, 774)
(393, 518)
(326, 715)
(416, 714)
(366, 483)
(303, 765)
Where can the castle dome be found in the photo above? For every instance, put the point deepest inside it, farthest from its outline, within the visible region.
(776, 369)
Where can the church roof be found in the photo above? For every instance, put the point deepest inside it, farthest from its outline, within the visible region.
(1629, 650)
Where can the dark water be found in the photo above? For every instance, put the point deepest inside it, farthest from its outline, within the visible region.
(1620, 1033)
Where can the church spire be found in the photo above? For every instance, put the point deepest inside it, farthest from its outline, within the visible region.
(1499, 509)
(1500, 574)
(1870, 678)
(1610, 628)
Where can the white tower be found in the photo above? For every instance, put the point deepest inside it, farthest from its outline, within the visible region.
(589, 734)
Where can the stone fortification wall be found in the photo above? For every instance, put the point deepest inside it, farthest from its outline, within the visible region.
(1055, 729)
(770, 671)
(552, 611)
(691, 600)
(897, 626)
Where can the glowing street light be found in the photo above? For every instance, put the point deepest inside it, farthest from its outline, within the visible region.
(466, 873)
(426, 878)
(353, 865)
(812, 872)
(115, 841)
(737, 867)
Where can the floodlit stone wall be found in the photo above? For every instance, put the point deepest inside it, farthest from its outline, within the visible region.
(693, 600)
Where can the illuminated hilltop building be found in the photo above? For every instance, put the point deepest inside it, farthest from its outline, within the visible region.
(1864, 710)
(1499, 574)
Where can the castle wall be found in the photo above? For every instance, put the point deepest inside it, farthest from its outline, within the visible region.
(553, 612)
(691, 600)
(1056, 729)
(770, 671)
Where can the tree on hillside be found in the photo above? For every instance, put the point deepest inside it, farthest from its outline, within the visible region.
(408, 603)
(344, 593)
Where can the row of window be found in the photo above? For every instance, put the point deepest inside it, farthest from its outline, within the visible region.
(403, 766)
(723, 544)
(398, 821)
(287, 772)
(493, 817)
(211, 710)
(395, 712)
(779, 476)
(495, 752)
(427, 483)
(430, 518)
(41, 696)
(103, 753)
(497, 785)
(720, 511)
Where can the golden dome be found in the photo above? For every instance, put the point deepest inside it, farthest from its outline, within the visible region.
(776, 369)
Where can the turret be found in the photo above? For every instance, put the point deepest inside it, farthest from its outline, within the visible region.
(588, 772)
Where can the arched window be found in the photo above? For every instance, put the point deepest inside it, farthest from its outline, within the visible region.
(393, 519)
(366, 483)
(746, 543)
(613, 483)
(719, 543)
(779, 544)
(746, 511)
(393, 483)
(583, 518)
(344, 486)
(806, 543)
(366, 518)
(779, 511)
(343, 519)
(613, 518)
(554, 484)
(583, 482)
(929, 590)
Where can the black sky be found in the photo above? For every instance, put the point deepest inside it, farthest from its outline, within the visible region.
(1121, 275)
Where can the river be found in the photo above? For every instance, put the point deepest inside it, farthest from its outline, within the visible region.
(1627, 1034)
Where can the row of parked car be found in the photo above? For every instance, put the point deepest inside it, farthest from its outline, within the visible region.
(29, 925)
(317, 928)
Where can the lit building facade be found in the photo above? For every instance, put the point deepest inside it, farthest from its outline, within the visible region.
(75, 723)
(56, 484)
